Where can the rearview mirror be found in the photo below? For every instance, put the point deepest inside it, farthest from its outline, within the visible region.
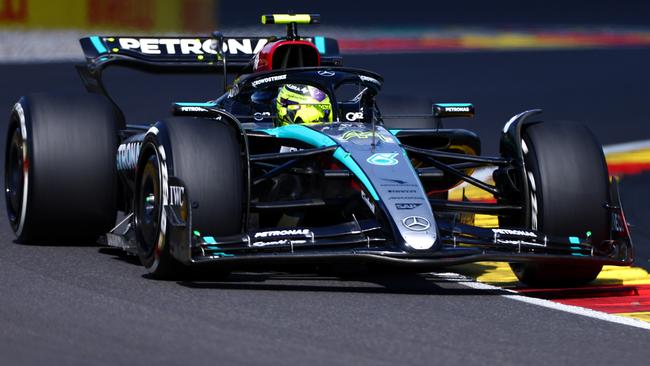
(445, 110)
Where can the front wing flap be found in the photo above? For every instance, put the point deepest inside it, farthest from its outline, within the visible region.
(366, 241)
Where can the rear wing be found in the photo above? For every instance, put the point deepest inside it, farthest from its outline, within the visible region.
(188, 53)
(180, 55)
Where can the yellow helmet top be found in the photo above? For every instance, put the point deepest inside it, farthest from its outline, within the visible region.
(297, 103)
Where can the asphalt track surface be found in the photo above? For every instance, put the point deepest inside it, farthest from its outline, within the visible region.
(87, 305)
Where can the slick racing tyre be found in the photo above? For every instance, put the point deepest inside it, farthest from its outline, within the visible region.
(206, 156)
(60, 174)
(569, 186)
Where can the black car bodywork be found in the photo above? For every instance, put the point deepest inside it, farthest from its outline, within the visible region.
(354, 190)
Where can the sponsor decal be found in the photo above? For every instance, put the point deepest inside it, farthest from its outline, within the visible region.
(406, 198)
(268, 80)
(407, 206)
(416, 223)
(456, 109)
(176, 194)
(296, 88)
(326, 73)
(518, 242)
(369, 79)
(259, 116)
(127, 155)
(396, 182)
(269, 243)
(366, 199)
(193, 109)
(278, 242)
(364, 135)
(515, 232)
(190, 46)
(383, 159)
(402, 191)
(354, 116)
(285, 149)
(277, 233)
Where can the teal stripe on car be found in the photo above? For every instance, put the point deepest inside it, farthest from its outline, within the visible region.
(454, 104)
(320, 44)
(99, 46)
(209, 240)
(317, 139)
(345, 158)
(195, 104)
(301, 133)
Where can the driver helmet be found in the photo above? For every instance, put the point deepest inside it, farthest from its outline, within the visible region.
(298, 103)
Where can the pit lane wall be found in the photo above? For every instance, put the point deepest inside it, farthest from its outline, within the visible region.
(124, 15)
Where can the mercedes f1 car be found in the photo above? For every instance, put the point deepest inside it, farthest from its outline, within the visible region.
(220, 184)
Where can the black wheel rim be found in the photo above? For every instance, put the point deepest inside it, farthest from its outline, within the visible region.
(148, 207)
(14, 178)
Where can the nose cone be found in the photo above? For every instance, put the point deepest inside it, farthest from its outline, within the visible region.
(418, 232)
(420, 242)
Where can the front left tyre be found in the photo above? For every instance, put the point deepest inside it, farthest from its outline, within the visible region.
(60, 175)
(206, 155)
(569, 191)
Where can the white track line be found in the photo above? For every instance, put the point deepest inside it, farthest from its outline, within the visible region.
(514, 295)
(626, 146)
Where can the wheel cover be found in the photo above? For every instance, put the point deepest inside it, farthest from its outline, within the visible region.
(148, 207)
(15, 172)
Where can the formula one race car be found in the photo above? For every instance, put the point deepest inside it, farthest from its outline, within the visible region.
(295, 164)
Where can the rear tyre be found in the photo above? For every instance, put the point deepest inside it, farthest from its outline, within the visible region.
(60, 175)
(569, 188)
(205, 154)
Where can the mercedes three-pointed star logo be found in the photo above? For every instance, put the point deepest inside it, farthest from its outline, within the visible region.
(416, 223)
(326, 73)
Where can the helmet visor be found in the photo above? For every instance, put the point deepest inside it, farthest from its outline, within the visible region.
(295, 112)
